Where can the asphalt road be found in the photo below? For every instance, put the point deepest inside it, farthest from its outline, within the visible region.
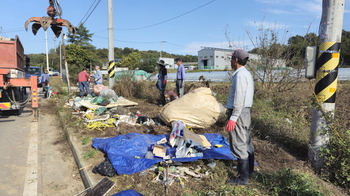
(35, 158)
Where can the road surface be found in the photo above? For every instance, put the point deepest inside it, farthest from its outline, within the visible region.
(35, 156)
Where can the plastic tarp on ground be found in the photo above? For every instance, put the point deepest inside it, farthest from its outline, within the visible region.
(127, 152)
(128, 192)
(137, 75)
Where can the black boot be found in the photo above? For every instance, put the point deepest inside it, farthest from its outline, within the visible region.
(251, 163)
(243, 172)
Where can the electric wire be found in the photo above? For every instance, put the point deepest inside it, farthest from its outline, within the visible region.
(91, 11)
(81, 21)
(170, 18)
(3, 32)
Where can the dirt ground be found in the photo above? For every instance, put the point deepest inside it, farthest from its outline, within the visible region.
(60, 174)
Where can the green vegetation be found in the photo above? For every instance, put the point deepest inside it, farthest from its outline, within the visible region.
(90, 154)
(86, 140)
(289, 183)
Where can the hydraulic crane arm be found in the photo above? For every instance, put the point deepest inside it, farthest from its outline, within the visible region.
(45, 22)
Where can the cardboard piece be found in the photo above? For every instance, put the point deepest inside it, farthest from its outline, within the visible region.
(200, 139)
(120, 102)
(159, 151)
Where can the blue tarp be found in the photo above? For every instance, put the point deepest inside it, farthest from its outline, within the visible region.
(127, 152)
(128, 193)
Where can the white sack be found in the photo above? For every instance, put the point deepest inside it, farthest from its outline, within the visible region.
(197, 109)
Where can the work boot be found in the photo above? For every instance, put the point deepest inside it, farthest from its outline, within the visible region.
(251, 163)
(243, 172)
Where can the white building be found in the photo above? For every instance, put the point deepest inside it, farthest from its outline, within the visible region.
(169, 62)
(217, 58)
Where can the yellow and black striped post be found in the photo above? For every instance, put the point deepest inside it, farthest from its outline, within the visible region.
(111, 70)
(327, 72)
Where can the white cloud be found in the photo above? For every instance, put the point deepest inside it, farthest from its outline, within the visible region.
(294, 7)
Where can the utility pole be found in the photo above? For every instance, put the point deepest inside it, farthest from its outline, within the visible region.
(61, 59)
(47, 52)
(110, 44)
(65, 62)
(330, 32)
(161, 49)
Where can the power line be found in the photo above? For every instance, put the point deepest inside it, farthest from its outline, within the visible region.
(170, 18)
(128, 41)
(90, 11)
(3, 32)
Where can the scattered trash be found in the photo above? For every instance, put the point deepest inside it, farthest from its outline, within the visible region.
(149, 155)
(105, 168)
(109, 94)
(212, 163)
(162, 141)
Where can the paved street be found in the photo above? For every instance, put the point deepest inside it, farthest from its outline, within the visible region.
(35, 156)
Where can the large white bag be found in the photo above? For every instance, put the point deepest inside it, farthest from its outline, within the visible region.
(196, 109)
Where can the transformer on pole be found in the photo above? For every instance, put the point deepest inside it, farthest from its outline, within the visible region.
(327, 62)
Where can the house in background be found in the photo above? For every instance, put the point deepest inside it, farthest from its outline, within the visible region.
(169, 62)
(217, 58)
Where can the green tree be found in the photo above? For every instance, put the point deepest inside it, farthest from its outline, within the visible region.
(148, 64)
(297, 45)
(132, 61)
(82, 38)
(345, 48)
(38, 60)
(77, 58)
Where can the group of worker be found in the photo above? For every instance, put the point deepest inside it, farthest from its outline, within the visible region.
(239, 102)
(84, 79)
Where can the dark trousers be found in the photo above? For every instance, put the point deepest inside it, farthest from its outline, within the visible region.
(84, 85)
(180, 88)
(162, 97)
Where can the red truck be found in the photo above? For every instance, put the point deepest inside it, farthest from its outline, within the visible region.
(13, 83)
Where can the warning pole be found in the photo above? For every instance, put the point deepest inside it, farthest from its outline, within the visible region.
(330, 32)
(110, 41)
(111, 71)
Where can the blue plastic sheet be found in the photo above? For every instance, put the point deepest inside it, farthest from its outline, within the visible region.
(127, 152)
(128, 193)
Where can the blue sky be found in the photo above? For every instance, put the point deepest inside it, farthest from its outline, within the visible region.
(178, 27)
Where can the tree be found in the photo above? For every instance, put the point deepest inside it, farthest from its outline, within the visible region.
(132, 61)
(273, 54)
(38, 60)
(78, 58)
(345, 48)
(148, 64)
(297, 45)
(82, 38)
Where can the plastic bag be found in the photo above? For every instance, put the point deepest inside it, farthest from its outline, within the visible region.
(96, 100)
(98, 88)
(109, 94)
(105, 168)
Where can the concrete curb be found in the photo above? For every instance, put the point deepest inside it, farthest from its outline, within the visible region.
(83, 173)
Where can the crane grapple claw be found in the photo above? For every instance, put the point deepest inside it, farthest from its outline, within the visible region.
(50, 21)
(45, 22)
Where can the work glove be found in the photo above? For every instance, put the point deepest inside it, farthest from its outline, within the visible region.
(230, 126)
(164, 81)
